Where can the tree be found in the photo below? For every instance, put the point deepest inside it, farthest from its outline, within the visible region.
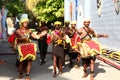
(15, 7)
(49, 10)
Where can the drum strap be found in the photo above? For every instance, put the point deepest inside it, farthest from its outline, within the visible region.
(86, 34)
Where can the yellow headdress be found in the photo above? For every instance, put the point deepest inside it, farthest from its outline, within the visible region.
(86, 19)
(24, 20)
(57, 23)
(73, 22)
(66, 21)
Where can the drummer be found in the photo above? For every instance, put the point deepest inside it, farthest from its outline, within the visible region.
(42, 42)
(74, 39)
(22, 37)
(58, 41)
(86, 33)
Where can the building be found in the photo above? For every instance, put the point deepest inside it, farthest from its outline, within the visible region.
(104, 15)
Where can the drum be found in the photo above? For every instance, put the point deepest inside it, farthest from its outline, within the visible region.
(89, 48)
(75, 40)
(27, 51)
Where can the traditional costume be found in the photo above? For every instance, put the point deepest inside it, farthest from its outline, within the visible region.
(58, 47)
(88, 48)
(58, 44)
(74, 39)
(26, 49)
(42, 42)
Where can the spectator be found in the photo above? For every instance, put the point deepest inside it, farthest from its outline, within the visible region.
(3, 22)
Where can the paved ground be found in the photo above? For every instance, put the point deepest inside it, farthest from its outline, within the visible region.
(103, 71)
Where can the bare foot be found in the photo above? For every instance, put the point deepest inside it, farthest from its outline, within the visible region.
(54, 76)
(20, 76)
(85, 75)
(76, 66)
(92, 77)
(60, 73)
(27, 78)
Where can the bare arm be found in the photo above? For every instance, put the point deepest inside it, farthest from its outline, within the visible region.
(98, 35)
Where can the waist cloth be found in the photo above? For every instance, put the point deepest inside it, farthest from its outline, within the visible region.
(58, 51)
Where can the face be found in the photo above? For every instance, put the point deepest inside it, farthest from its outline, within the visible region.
(66, 23)
(86, 23)
(43, 23)
(73, 26)
(57, 27)
(25, 24)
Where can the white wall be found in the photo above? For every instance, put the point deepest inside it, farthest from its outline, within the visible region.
(108, 23)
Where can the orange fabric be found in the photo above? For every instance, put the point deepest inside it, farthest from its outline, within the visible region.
(93, 45)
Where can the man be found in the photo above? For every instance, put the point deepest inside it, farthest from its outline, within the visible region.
(25, 48)
(58, 41)
(22, 37)
(42, 42)
(66, 29)
(0, 24)
(86, 33)
(3, 22)
(74, 39)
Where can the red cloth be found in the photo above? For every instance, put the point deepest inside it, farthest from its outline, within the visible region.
(11, 38)
(27, 49)
(93, 45)
(48, 39)
(75, 39)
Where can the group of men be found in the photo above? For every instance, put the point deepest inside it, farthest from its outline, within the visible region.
(65, 40)
(72, 41)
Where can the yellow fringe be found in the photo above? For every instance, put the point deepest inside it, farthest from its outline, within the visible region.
(27, 56)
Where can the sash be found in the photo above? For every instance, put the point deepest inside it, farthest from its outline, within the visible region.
(86, 34)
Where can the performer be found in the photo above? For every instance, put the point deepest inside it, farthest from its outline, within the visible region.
(88, 48)
(58, 41)
(68, 33)
(26, 50)
(74, 39)
(55, 31)
(42, 42)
